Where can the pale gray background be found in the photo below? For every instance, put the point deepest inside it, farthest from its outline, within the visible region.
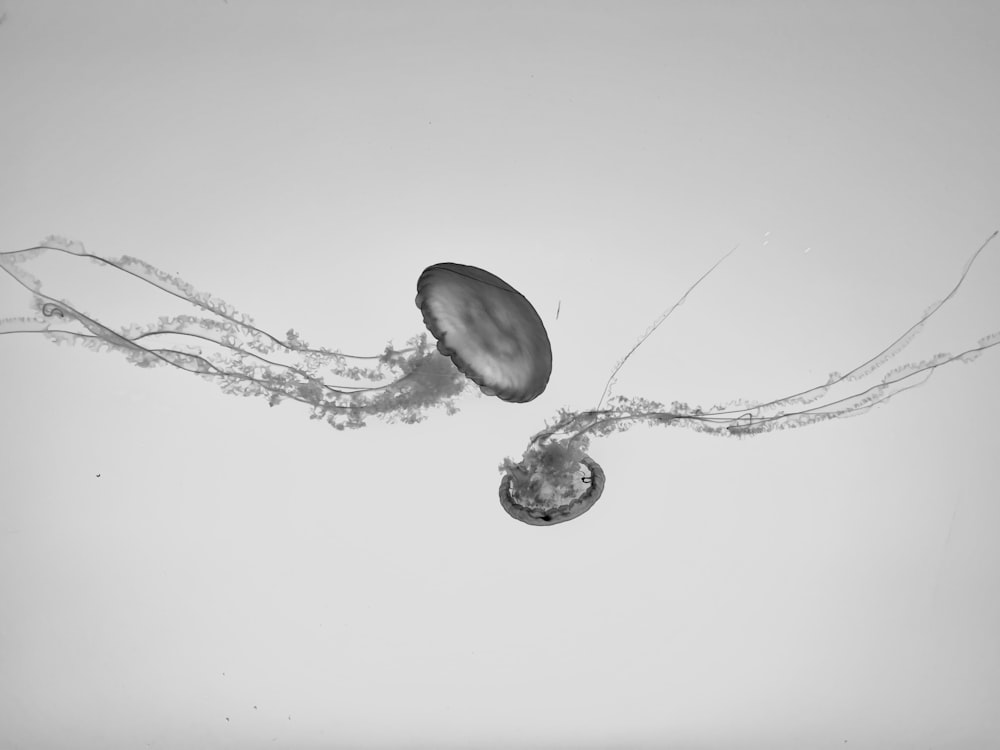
(832, 587)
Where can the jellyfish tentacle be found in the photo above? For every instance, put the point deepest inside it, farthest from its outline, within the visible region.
(876, 361)
(165, 282)
(745, 422)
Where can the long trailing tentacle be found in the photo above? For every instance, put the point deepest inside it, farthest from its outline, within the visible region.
(744, 417)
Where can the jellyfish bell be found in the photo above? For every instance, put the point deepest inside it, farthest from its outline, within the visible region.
(487, 328)
(554, 482)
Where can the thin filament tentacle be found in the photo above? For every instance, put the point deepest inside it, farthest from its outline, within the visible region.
(663, 316)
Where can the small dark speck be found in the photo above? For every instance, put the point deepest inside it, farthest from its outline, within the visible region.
(227, 718)
(98, 476)
(289, 717)
(254, 708)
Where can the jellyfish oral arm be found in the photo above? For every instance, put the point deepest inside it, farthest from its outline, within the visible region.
(216, 341)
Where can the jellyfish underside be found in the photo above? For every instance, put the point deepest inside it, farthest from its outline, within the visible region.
(543, 487)
(557, 483)
(212, 339)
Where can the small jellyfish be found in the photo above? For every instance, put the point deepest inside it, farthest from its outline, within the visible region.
(556, 480)
(485, 330)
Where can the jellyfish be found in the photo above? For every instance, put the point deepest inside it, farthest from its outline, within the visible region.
(557, 481)
(485, 332)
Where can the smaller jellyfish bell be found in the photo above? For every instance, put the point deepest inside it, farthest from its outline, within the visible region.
(555, 481)
(488, 329)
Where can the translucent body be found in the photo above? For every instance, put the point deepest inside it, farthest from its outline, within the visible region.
(559, 483)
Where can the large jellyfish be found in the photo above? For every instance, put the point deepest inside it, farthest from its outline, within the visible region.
(489, 331)
(556, 480)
